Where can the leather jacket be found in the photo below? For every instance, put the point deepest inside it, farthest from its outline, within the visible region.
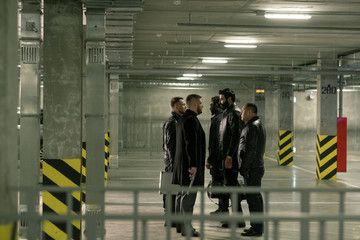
(229, 134)
(169, 141)
(214, 156)
(252, 145)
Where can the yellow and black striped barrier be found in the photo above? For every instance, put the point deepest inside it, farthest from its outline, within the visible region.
(285, 151)
(326, 157)
(83, 171)
(107, 153)
(8, 231)
(61, 173)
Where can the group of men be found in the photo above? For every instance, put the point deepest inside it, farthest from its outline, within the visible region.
(236, 145)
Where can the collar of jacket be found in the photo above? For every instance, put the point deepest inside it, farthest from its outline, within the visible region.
(253, 119)
(229, 108)
(190, 112)
(175, 115)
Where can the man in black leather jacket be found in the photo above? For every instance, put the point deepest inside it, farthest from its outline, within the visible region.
(251, 162)
(214, 162)
(229, 135)
(169, 139)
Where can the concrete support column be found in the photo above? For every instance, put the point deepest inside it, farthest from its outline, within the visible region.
(62, 113)
(326, 139)
(286, 124)
(29, 113)
(114, 119)
(8, 119)
(121, 115)
(260, 101)
(95, 115)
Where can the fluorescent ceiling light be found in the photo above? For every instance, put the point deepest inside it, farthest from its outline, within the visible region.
(239, 46)
(214, 60)
(192, 75)
(287, 16)
(245, 41)
(185, 78)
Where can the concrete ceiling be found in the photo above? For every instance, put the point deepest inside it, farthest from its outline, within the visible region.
(171, 37)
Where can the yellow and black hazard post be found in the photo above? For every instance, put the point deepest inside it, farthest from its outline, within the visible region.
(83, 171)
(326, 157)
(107, 153)
(285, 151)
(62, 173)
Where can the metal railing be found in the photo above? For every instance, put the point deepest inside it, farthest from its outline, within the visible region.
(94, 220)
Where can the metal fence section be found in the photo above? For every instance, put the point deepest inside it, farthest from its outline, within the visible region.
(302, 215)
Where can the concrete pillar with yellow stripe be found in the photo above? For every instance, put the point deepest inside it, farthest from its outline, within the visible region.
(285, 151)
(107, 153)
(62, 128)
(285, 154)
(326, 138)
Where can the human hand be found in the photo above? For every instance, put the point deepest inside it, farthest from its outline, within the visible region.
(244, 173)
(228, 162)
(192, 171)
(208, 165)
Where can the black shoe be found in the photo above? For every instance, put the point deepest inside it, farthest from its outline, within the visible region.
(239, 225)
(193, 233)
(251, 233)
(217, 211)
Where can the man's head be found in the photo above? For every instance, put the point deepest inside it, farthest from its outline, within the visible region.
(194, 103)
(227, 98)
(178, 105)
(248, 111)
(215, 105)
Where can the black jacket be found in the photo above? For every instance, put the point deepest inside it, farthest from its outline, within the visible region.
(252, 145)
(229, 134)
(169, 141)
(190, 150)
(214, 156)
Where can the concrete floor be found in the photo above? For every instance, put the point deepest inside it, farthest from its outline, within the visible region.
(142, 169)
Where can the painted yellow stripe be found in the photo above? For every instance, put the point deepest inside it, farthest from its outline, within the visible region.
(57, 177)
(287, 158)
(83, 170)
(328, 145)
(6, 231)
(329, 169)
(74, 163)
(284, 149)
(328, 157)
(285, 139)
(53, 231)
(55, 204)
(83, 152)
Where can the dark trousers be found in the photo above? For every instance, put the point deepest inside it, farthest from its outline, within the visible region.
(185, 205)
(173, 203)
(255, 200)
(230, 179)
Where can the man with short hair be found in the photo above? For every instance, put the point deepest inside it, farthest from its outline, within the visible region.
(229, 134)
(169, 140)
(189, 161)
(251, 163)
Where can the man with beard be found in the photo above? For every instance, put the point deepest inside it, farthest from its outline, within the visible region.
(251, 163)
(169, 141)
(229, 135)
(214, 162)
(189, 161)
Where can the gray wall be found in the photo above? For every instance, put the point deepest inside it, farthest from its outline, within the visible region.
(146, 109)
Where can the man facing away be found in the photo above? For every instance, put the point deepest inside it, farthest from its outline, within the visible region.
(169, 140)
(251, 163)
(229, 135)
(189, 161)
